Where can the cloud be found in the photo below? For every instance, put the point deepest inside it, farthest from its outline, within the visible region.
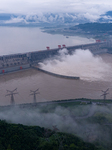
(34, 6)
(91, 9)
(91, 17)
(107, 17)
(15, 20)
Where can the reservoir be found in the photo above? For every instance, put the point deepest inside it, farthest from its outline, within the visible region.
(20, 40)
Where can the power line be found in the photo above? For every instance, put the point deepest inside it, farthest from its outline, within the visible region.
(12, 93)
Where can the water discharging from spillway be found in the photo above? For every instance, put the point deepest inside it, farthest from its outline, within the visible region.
(81, 63)
(52, 88)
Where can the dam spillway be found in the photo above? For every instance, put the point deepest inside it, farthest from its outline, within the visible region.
(16, 62)
(51, 87)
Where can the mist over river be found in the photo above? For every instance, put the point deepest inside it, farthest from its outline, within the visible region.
(23, 39)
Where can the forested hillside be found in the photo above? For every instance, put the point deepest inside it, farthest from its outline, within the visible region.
(20, 137)
(94, 27)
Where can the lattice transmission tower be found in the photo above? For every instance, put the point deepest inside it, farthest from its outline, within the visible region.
(12, 93)
(105, 94)
(34, 93)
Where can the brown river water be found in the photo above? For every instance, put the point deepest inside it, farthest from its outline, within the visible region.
(50, 87)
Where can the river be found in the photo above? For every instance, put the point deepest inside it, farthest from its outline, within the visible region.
(20, 40)
(50, 87)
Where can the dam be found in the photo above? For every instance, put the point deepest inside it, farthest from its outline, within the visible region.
(51, 88)
(16, 62)
(25, 78)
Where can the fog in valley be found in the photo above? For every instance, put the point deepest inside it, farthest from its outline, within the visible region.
(78, 120)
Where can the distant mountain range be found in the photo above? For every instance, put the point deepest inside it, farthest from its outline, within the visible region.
(94, 28)
(51, 19)
(106, 18)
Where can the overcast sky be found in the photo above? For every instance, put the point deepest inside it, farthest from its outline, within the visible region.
(89, 7)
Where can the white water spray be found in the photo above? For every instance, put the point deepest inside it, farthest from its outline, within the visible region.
(81, 63)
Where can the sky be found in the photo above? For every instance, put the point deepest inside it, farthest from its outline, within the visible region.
(88, 7)
(91, 10)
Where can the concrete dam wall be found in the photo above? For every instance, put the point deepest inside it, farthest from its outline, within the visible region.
(42, 55)
(16, 62)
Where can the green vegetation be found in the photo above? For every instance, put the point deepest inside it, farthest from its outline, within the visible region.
(72, 102)
(100, 31)
(87, 121)
(20, 137)
(94, 27)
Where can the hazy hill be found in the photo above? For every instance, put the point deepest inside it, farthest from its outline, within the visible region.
(94, 27)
